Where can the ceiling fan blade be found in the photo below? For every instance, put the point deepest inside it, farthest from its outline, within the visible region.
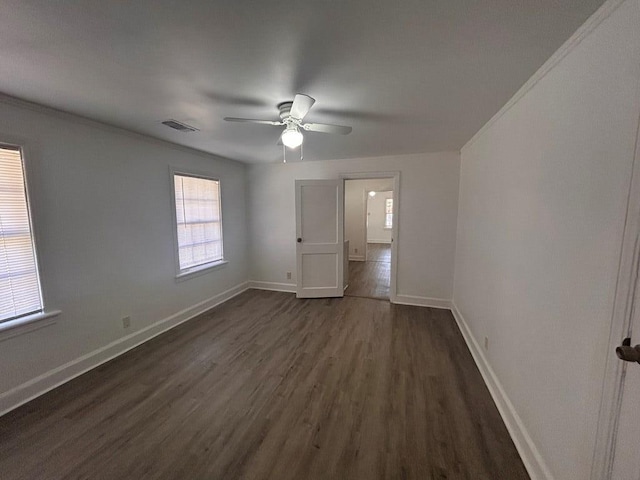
(301, 106)
(327, 128)
(251, 120)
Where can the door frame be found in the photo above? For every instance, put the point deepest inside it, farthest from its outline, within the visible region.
(627, 287)
(395, 229)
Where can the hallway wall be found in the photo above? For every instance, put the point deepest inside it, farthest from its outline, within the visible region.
(355, 209)
(376, 233)
(543, 193)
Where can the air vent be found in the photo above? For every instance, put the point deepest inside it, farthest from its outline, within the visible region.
(181, 127)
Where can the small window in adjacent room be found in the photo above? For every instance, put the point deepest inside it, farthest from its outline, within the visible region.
(198, 222)
(388, 213)
(20, 293)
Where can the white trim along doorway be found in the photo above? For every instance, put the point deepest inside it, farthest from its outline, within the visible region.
(393, 291)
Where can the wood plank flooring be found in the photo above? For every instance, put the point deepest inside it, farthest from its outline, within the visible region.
(267, 386)
(379, 252)
(371, 279)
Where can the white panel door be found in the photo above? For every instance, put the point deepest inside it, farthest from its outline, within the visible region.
(320, 238)
(626, 459)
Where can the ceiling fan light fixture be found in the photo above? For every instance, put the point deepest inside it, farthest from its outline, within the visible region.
(292, 137)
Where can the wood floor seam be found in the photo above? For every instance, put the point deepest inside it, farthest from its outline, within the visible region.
(268, 386)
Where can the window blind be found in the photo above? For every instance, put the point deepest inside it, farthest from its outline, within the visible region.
(199, 220)
(19, 284)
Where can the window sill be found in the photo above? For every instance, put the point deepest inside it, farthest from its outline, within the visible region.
(22, 325)
(200, 270)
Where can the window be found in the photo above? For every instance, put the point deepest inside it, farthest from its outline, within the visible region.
(388, 212)
(198, 222)
(19, 283)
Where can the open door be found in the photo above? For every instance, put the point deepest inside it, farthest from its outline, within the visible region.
(320, 238)
(616, 453)
(626, 452)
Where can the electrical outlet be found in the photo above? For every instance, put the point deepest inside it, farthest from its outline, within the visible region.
(126, 322)
(486, 343)
(288, 275)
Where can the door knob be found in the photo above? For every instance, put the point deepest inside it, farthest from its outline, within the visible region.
(628, 353)
(299, 240)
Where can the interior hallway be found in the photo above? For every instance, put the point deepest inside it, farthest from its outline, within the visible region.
(267, 386)
(371, 279)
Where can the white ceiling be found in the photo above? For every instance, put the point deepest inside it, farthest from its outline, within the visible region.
(409, 76)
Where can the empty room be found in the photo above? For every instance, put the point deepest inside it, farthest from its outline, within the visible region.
(319, 240)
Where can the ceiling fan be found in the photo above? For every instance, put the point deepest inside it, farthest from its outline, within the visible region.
(291, 116)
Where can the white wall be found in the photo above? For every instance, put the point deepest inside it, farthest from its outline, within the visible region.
(355, 209)
(354, 219)
(427, 217)
(543, 192)
(101, 207)
(376, 233)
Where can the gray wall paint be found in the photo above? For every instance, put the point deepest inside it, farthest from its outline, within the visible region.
(543, 194)
(427, 217)
(101, 207)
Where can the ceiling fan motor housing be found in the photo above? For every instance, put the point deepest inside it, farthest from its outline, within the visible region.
(285, 109)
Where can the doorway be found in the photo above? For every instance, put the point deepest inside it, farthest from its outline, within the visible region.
(370, 230)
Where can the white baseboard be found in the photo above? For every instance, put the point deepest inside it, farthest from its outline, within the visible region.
(274, 286)
(422, 301)
(35, 387)
(356, 258)
(533, 461)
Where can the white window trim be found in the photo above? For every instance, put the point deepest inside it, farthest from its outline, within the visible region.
(185, 274)
(200, 269)
(26, 324)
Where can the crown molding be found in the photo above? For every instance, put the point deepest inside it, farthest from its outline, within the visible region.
(109, 127)
(583, 32)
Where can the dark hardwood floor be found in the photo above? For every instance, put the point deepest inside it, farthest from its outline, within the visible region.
(379, 252)
(267, 386)
(371, 279)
